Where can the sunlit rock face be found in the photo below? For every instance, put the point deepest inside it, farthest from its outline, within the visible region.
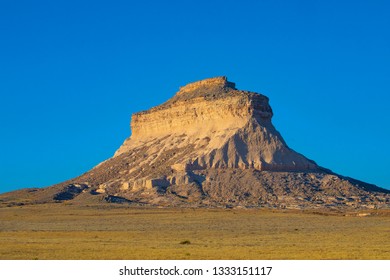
(226, 128)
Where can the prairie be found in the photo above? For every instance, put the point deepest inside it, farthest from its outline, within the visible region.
(62, 231)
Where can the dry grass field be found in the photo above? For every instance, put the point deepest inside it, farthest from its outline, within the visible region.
(59, 231)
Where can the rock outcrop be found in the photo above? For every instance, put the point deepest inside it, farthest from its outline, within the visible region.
(213, 145)
(226, 127)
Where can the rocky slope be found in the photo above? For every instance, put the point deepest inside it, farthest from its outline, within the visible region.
(209, 145)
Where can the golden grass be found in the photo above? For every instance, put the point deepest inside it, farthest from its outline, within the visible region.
(60, 231)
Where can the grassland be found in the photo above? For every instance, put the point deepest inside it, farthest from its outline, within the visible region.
(58, 231)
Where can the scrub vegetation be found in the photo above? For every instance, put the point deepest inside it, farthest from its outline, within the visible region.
(65, 231)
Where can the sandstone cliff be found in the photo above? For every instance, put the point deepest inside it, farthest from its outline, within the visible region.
(227, 128)
(210, 145)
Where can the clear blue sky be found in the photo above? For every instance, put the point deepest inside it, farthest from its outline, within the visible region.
(72, 73)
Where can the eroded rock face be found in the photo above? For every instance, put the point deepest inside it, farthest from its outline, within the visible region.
(211, 145)
(228, 128)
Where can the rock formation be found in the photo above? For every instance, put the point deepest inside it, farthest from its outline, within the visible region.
(225, 128)
(213, 145)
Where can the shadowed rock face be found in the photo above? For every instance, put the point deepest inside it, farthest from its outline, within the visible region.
(211, 145)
